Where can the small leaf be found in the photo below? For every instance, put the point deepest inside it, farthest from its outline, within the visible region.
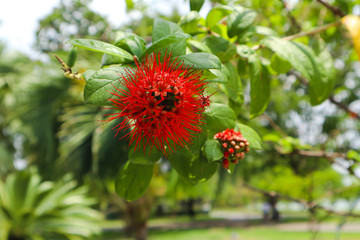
(260, 86)
(195, 5)
(150, 156)
(192, 168)
(219, 117)
(221, 47)
(233, 88)
(354, 155)
(280, 65)
(99, 86)
(251, 135)
(303, 59)
(216, 14)
(212, 150)
(189, 22)
(163, 29)
(132, 43)
(133, 180)
(239, 22)
(352, 23)
(72, 57)
(200, 60)
(166, 42)
(99, 46)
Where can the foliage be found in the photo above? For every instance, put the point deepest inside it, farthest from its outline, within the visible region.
(32, 208)
(230, 35)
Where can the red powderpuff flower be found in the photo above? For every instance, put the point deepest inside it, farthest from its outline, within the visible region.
(161, 102)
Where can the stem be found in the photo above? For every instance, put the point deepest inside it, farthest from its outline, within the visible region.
(312, 32)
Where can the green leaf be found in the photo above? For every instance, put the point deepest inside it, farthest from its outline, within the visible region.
(200, 60)
(163, 29)
(132, 43)
(199, 45)
(354, 155)
(280, 65)
(195, 5)
(72, 57)
(150, 156)
(189, 22)
(251, 135)
(303, 59)
(233, 88)
(99, 46)
(129, 4)
(221, 47)
(212, 150)
(260, 86)
(170, 42)
(244, 51)
(219, 117)
(239, 22)
(133, 180)
(192, 168)
(216, 14)
(99, 86)
(266, 31)
(198, 140)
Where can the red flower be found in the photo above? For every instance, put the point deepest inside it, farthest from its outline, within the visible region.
(161, 102)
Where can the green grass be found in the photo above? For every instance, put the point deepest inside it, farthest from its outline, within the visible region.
(250, 233)
(253, 233)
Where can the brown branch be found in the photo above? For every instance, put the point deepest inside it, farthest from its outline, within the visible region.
(291, 17)
(335, 10)
(331, 97)
(344, 107)
(309, 205)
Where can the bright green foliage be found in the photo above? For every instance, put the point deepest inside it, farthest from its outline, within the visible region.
(133, 180)
(33, 209)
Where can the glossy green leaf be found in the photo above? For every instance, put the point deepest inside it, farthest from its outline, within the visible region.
(99, 46)
(221, 47)
(189, 22)
(212, 150)
(198, 140)
(199, 45)
(354, 155)
(150, 156)
(233, 88)
(195, 5)
(101, 83)
(219, 117)
(303, 59)
(162, 29)
(216, 14)
(72, 57)
(251, 135)
(168, 43)
(280, 65)
(200, 60)
(238, 22)
(260, 86)
(192, 168)
(133, 180)
(132, 43)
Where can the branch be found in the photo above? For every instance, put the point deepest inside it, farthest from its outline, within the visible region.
(313, 31)
(309, 205)
(335, 10)
(331, 98)
(68, 71)
(291, 17)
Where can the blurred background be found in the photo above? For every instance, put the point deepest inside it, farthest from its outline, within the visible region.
(58, 160)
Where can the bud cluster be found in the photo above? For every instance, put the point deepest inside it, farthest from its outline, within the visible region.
(234, 146)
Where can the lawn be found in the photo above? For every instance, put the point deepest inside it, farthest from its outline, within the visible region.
(248, 233)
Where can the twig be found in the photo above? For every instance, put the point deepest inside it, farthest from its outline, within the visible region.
(331, 97)
(68, 71)
(312, 32)
(309, 205)
(291, 17)
(335, 10)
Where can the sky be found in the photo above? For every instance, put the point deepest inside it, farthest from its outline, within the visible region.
(19, 18)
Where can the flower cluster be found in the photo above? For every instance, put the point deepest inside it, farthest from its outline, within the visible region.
(161, 102)
(234, 146)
